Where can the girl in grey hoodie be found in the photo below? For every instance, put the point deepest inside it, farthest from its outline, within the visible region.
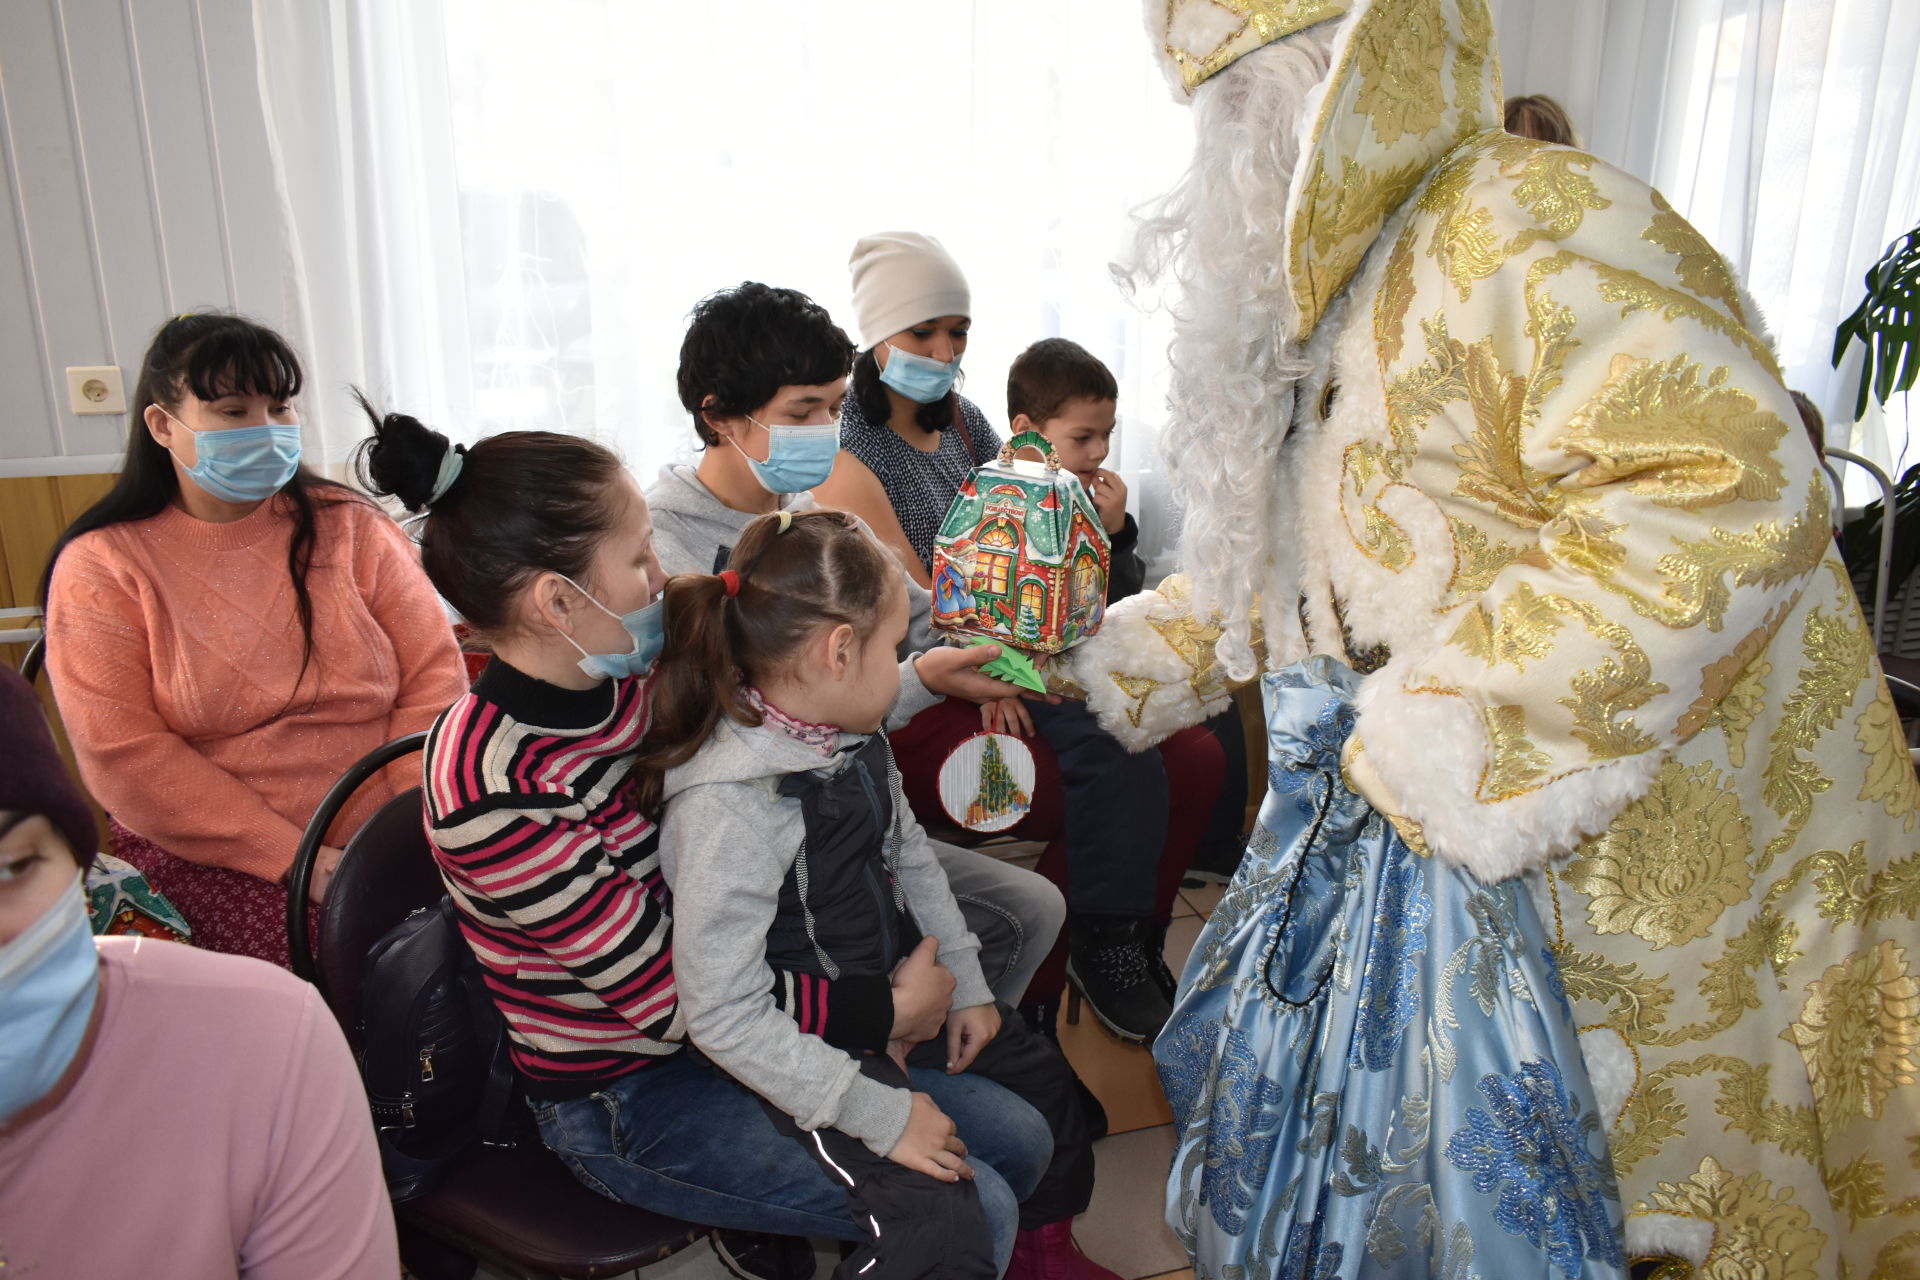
(794, 858)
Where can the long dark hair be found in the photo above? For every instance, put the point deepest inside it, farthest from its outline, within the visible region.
(824, 570)
(524, 503)
(871, 395)
(209, 354)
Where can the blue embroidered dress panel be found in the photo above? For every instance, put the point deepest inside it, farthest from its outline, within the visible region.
(1373, 1069)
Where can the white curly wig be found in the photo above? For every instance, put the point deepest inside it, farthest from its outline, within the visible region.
(1216, 248)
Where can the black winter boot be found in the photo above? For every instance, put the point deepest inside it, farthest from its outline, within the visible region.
(1110, 963)
(1157, 953)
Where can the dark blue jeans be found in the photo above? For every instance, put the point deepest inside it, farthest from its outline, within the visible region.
(682, 1138)
(1115, 812)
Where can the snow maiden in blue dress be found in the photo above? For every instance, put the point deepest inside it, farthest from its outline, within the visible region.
(1372, 1065)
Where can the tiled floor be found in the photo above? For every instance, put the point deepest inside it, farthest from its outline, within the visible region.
(1125, 1228)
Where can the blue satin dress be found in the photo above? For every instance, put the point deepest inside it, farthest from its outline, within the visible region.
(1372, 1065)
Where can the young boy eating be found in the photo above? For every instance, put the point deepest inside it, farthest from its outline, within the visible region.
(1061, 390)
(1064, 392)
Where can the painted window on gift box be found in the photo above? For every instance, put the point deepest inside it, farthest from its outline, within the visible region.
(993, 570)
(1033, 610)
(1086, 576)
(991, 574)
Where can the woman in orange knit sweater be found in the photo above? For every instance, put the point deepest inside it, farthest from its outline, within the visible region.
(227, 632)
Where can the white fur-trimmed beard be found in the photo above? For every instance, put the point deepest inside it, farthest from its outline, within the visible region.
(1216, 247)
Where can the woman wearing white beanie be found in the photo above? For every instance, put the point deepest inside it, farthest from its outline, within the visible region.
(913, 308)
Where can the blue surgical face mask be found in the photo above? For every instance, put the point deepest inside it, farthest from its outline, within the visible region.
(244, 464)
(648, 627)
(49, 981)
(798, 458)
(918, 378)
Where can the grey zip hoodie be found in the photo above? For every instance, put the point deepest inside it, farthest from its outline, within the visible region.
(727, 841)
(690, 526)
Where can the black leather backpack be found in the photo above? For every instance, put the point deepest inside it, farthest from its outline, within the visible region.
(433, 1052)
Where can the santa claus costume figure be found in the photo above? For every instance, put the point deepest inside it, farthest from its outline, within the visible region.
(1491, 477)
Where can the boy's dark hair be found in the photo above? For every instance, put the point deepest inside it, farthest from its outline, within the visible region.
(812, 569)
(747, 342)
(1051, 372)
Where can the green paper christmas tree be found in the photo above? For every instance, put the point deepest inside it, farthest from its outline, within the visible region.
(999, 794)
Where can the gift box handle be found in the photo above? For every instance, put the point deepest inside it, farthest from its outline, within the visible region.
(1024, 439)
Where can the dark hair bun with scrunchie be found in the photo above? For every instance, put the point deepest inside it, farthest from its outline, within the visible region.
(401, 458)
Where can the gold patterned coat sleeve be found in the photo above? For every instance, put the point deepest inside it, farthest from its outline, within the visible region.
(1594, 454)
(1562, 484)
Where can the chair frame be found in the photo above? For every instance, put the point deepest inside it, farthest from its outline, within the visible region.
(441, 1250)
(1882, 588)
(34, 660)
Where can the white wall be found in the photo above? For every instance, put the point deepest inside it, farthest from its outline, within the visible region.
(138, 186)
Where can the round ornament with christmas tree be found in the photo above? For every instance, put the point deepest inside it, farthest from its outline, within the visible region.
(986, 783)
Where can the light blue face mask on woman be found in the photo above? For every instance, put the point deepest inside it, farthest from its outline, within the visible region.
(919, 378)
(798, 457)
(648, 627)
(49, 981)
(244, 464)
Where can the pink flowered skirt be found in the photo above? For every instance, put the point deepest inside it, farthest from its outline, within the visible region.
(228, 911)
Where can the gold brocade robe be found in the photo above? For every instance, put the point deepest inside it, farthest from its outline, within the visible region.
(1546, 478)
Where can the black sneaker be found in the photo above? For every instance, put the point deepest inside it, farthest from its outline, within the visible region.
(1110, 961)
(752, 1256)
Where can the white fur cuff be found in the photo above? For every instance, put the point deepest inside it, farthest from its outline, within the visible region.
(1430, 750)
(1613, 1070)
(1139, 686)
(1649, 1235)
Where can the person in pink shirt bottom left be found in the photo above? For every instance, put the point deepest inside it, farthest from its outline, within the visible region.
(164, 1111)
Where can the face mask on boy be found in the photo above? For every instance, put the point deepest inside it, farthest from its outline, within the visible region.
(49, 980)
(918, 378)
(244, 464)
(648, 627)
(798, 457)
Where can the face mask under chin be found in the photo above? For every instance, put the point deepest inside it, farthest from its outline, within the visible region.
(647, 626)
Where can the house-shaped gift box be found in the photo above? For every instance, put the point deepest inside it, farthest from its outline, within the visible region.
(1021, 557)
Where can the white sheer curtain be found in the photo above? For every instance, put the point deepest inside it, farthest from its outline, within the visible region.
(505, 211)
(617, 162)
(1787, 131)
(359, 114)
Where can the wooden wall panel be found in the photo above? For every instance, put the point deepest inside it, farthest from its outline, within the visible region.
(34, 510)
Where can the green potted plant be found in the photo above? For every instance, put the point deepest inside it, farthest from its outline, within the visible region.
(1887, 325)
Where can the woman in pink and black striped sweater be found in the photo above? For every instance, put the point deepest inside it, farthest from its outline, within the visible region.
(544, 545)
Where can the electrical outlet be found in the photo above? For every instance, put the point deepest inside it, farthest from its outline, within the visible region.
(96, 388)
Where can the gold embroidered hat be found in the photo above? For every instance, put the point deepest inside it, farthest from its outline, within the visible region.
(1411, 80)
(1199, 38)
